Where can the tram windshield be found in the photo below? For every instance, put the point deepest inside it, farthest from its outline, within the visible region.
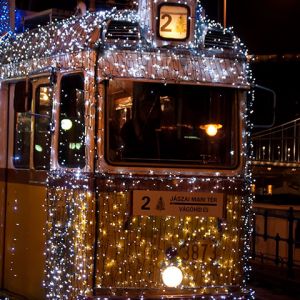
(171, 124)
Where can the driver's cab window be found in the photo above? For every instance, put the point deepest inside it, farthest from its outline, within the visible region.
(184, 125)
(42, 141)
(22, 107)
(71, 140)
(33, 109)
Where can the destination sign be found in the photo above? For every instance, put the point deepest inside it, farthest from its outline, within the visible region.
(173, 21)
(168, 203)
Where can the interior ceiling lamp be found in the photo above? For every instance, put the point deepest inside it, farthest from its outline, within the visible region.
(211, 129)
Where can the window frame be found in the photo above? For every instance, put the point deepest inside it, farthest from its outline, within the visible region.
(35, 82)
(57, 120)
(35, 115)
(238, 125)
(28, 101)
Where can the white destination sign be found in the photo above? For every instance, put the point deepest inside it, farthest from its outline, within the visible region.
(165, 203)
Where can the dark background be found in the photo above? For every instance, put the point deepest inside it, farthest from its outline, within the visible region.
(271, 30)
(267, 27)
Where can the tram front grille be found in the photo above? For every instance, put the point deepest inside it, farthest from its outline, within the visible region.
(122, 30)
(218, 38)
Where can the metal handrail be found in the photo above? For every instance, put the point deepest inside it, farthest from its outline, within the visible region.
(280, 143)
(291, 216)
(257, 134)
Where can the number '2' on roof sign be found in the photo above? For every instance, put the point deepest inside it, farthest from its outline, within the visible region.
(173, 21)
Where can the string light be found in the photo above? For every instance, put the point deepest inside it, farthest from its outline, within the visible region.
(4, 17)
(70, 227)
(132, 251)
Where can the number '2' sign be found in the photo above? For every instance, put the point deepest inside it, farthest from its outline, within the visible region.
(173, 21)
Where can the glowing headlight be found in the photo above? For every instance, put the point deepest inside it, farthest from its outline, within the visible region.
(172, 276)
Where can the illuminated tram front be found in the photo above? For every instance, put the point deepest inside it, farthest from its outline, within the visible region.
(147, 193)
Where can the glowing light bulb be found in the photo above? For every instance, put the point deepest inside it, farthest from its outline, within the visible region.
(38, 148)
(172, 276)
(66, 124)
(211, 129)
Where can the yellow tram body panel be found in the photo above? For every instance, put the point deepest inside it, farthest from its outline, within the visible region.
(2, 218)
(133, 250)
(25, 240)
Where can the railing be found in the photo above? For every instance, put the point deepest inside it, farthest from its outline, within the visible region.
(291, 240)
(279, 144)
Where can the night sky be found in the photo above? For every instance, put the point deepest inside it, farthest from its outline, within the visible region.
(265, 26)
(268, 27)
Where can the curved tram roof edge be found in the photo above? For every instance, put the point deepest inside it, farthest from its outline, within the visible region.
(69, 44)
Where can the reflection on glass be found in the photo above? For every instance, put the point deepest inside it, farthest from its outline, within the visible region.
(38, 148)
(159, 123)
(22, 107)
(42, 117)
(22, 140)
(71, 150)
(66, 124)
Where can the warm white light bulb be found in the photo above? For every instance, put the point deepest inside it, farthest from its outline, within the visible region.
(211, 129)
(66, 124)
(172, 276)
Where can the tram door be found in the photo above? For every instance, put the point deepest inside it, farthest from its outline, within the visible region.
(30, 109)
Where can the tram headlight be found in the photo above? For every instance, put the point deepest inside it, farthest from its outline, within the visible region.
(172, 276)
(211, 129)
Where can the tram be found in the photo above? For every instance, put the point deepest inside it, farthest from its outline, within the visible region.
(124, 157)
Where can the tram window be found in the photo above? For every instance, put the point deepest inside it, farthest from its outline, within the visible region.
(171, 124)
(71, 148)
(43, 112)
(22, 106)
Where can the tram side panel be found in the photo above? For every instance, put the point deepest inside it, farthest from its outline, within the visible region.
(24, 245)
(25, 215)
(3, 158)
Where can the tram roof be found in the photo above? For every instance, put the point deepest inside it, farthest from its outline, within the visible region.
(110, 30)
(67, 36)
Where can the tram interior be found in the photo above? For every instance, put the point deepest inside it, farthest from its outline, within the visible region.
(180, 124)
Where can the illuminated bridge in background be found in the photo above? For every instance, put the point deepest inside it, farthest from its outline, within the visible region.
(276, 161)
(278, 146)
